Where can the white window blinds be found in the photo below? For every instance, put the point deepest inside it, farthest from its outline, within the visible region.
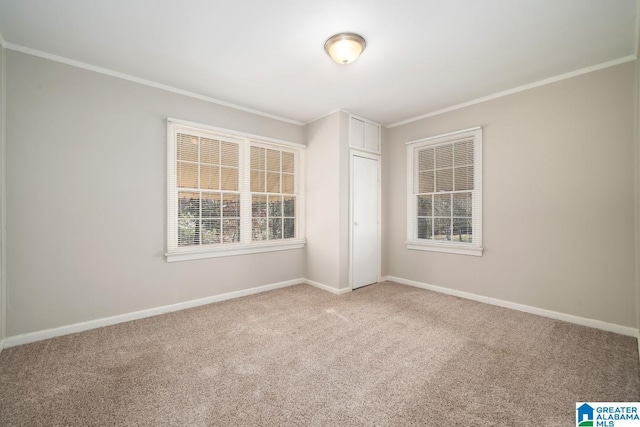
(207, 189)
(444, 198)
(230, 191)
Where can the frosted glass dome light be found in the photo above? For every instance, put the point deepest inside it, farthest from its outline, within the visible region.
(345, 47)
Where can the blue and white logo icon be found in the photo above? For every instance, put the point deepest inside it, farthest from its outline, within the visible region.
(585, 415)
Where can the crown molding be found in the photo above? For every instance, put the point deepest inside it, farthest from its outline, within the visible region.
(523, 88)
(128, 77)
(168, 88)
(337, 110)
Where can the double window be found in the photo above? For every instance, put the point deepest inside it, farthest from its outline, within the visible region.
(230, 194)
(444, 201)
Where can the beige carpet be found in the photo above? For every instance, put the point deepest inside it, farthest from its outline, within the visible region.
(383, 355)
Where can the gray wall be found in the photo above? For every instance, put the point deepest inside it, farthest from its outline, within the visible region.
(327, 200)
(86, 189)
(3, 158)
(322, 262)
(637, 190)
(343, 201)
(558, 199)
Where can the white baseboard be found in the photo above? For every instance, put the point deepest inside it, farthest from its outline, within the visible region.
(593, 323)
(108, 321)
(327, 287)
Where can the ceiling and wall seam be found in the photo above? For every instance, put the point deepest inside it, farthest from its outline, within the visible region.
(326, 115)
(146, 82)
(128, 77)
(522, 88)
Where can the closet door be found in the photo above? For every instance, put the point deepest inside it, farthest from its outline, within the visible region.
(365, 229)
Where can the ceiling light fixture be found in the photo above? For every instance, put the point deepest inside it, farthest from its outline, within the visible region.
(345, 47)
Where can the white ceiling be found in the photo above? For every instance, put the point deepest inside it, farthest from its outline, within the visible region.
(421, 56)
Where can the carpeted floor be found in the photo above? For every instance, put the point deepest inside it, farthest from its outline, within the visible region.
(386, 354)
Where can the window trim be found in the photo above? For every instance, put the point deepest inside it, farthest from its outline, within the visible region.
(246, 245)
(412, 242)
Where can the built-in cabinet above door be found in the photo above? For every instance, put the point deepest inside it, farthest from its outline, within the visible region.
(364, 134)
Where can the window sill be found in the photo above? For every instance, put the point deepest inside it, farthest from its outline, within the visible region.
(232, 250)
(445, 247)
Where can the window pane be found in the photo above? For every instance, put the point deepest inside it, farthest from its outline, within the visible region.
(464, 178)
(230, 205)
(211, 205)
(425, 207)
(288, 165)
(210, 231)
(444, 180)
(273, 160)
(187, 175)
(444, 156)
(462, 230)
(275, 228)
(273, 182)
(257, 181)
(425, 184)
(229, 154)
(442, 228)
(287, 184)
(209, 177)
(188, 218)
(425, 228)
(187, 147)
(289, 226)
(259, 229)
(442, 204)
(230, 230)
(188, 231)
(188, 205)
(257, 158)
(259, 206)
(462, 204)
(463, 153)
(425, 159)
(289, 208)
(229, 178)
(275, 206)
(209, 151)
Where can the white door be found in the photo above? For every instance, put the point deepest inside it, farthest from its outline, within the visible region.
(364, 214)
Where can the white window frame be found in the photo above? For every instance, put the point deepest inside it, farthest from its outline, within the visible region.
(245, 245)
(461, 248)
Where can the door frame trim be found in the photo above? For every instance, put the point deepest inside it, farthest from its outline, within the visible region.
(377, 157)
